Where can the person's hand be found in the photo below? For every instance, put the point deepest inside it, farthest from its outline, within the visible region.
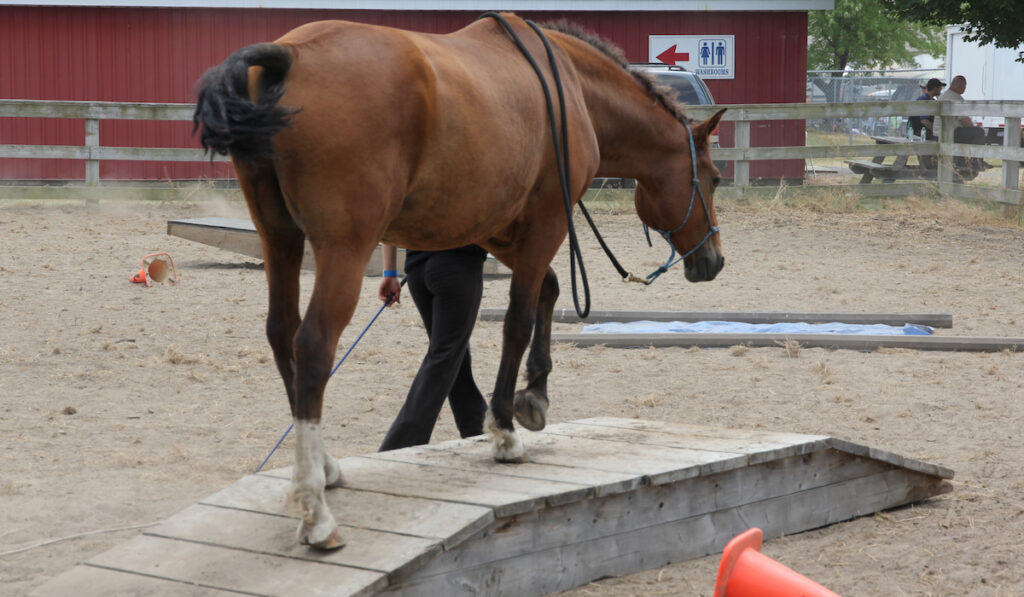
(390, 291)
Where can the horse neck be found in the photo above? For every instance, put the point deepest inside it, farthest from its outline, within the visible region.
(636, 135)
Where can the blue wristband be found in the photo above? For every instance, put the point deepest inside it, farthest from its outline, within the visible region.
(391, 273)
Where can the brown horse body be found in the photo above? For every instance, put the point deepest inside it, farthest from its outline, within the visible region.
(432, 142)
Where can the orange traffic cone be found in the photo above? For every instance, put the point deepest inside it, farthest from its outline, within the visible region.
(746, 572)
(158, 267)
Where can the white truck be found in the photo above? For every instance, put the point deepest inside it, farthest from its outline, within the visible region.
(992, 74)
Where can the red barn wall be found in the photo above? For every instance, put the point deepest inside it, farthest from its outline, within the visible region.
(156, 55)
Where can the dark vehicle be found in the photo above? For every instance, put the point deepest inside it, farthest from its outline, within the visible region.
(689, 88)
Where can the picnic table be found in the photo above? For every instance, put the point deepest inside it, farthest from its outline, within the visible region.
(899, 169)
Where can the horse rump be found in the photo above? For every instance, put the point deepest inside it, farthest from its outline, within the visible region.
(230, 120)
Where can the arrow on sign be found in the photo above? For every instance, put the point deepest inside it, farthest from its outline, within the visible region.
(670, 56)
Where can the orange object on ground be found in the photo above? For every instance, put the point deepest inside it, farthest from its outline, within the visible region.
(158, 267)
(746, 572)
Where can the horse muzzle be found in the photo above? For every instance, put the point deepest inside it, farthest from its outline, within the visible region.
(705, 264)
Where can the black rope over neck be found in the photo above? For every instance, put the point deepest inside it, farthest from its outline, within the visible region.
(561, 142)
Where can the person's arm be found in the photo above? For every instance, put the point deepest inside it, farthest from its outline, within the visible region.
(390, 291)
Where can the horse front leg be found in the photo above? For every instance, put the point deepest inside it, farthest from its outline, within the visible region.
(335, 293)
(531, 404)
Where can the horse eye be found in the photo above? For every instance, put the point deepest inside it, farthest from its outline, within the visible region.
(716, 180)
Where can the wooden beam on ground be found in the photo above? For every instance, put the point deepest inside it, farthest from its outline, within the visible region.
(240, 236)
(599, 497)
(935, 320)
(834, 341)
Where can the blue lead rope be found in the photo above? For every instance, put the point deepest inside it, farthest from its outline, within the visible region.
(345, 356)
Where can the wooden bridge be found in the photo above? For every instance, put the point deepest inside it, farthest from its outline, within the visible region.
(601, 497)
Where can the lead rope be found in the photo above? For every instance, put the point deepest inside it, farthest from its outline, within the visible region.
(561, 151)
(672, 261)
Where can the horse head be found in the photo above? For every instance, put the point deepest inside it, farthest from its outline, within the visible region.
(679, 204)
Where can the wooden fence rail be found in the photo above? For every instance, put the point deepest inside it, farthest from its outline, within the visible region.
(742, 153)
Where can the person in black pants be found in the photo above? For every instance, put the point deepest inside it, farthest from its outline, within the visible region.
(446, 287)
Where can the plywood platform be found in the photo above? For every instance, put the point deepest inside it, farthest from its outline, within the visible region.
(601, 497)
(240, 236)
(935, 320)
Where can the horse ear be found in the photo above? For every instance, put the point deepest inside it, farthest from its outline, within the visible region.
(702, 130)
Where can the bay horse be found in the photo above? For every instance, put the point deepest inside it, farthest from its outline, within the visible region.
(346, 135)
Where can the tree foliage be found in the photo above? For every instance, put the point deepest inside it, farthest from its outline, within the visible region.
(860, 34)
(995, 22)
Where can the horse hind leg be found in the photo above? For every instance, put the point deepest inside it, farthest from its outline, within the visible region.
(339, 274)
(283, 244)
(530, 404)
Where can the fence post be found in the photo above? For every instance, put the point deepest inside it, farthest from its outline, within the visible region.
(741, 140)
(92, 140)
(1011, 168)
(944, 160)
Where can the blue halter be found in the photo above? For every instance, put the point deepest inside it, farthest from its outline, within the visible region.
(667, 234)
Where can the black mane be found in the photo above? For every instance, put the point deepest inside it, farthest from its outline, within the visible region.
(662, 94)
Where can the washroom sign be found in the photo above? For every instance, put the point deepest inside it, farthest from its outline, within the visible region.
(710, 56)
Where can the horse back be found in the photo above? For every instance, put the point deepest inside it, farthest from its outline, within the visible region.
(435, 129)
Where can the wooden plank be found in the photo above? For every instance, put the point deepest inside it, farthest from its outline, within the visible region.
(90, 581)
(832, 341)
(506, 495)
(231, 569)
(234, 234)
(78, 191)
(761, 446)
(685, 430)
(475, 455)
(761, 442)
(447, 522)
(389, 553)
(980, 193)
(935, 320)
(892, 458)
(77, 109)
(584, 461)
(239, 235)
(63, 152)
(900, 189)
(757, 449)
(573, 564)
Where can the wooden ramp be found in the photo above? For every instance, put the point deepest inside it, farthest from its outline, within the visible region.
(935, 320)
(240, 236)
(601, 497)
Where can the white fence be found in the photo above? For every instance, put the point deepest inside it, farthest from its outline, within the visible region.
(1010, 153)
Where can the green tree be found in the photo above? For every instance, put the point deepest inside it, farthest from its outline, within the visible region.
(860, 34)
(986, 21)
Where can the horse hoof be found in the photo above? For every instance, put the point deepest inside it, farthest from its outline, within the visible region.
(331, 542)
(505, 444)
(530, 408)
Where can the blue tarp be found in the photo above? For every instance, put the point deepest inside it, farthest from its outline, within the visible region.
(733, 327)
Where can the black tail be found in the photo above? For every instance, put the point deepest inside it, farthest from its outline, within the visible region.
(231, 122)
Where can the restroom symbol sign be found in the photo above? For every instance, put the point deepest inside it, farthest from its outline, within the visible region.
(710, 56)
(713, 53)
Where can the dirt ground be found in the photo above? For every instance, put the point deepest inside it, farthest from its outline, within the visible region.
(122, 404)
